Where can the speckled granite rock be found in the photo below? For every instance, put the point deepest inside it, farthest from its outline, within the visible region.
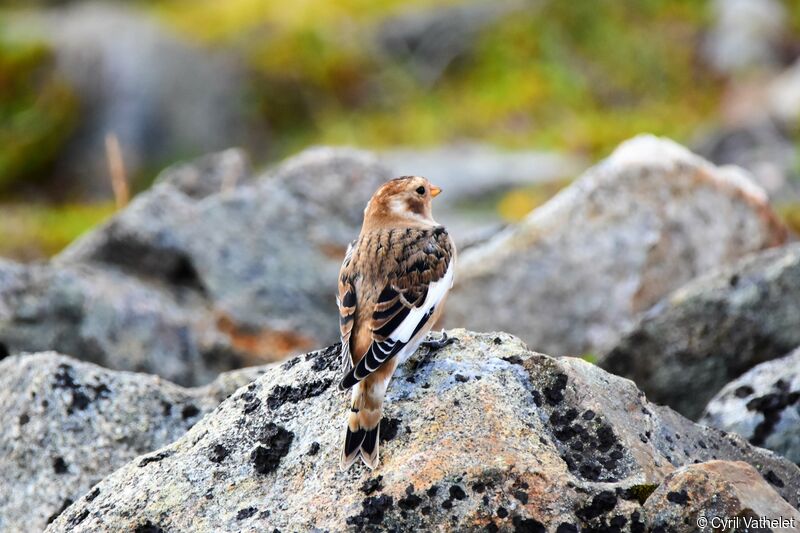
(483, 434)
(208, 270)
(712, 330)
(68, 424)
(577, 271)
(708, 493)
(763, 406)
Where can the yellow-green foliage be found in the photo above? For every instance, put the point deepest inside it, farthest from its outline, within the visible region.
(790, 213)
(33, 231)
(569, 75)
(37, 111)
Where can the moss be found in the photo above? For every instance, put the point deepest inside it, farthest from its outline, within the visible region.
(38, 111)
(790, 214)
(642, 492)
(36, 231)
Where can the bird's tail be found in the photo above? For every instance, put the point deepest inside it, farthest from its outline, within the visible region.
(362, 433)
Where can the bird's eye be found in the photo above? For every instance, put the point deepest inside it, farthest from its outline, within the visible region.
(420, 190)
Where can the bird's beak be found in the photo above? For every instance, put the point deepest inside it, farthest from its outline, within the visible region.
(435, 191)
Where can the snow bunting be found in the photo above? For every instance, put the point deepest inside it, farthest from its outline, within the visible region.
(392, 287)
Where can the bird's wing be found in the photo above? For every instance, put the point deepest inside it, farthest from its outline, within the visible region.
(346, 301)
(420, 280)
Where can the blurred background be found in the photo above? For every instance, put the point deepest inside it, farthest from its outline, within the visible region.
(97, 97)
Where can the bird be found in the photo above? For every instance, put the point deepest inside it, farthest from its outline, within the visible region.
(392, 287)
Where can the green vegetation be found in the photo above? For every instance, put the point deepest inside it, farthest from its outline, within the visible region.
(38, 111)
(32, 231)
(569, 75)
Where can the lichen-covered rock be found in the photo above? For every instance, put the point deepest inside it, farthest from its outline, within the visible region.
(702, 497)
(68, 424)
(763, 406)
(712, 330)
(209, 270)
(577, 271)
(481, 435)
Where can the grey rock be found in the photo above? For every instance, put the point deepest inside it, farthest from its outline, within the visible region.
(712, 330)
(702, 497)
(763, 406)
(68, 424)
(577, 271)
(482, 432)
(745, 35)
(209, 270)
(161, 96)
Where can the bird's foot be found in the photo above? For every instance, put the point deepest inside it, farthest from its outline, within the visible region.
(434, 345)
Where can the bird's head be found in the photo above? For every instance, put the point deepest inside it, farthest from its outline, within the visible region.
(407, 198)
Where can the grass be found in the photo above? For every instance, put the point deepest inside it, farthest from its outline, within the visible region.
(34, 231)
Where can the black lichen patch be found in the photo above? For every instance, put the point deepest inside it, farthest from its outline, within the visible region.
(588, 446)
(554, 393)
(189, 411)
(276, 442)
(155, 458)
(373, 511)
(637, 526)
(744, 391)
(678, 498)
(410, 501)
(79, 400)
(566, 527)
(522, 496)
(457, 493)
(282, 394)
(389, 428)
(251, 404)
(67, 502)
(246, 513)
(461, 378)
(77, 518)
(92, 495)
(513, 359)
(527, 525)
(773, 478)
(24, 419)
(148, 527)
(502, 512)
(326, 359)
(290, 363)
(4, 351)
(59, 465)
(771, 406)
(218, 453)
(313, 449)
(601, 504)
(371, 485)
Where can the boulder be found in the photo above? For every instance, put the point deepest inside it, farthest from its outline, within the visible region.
(702, 497)
(763, 406)
(578, 270)
(210, 269)
(68, 424)
(482, 435)
(745, 35)
(712, 330)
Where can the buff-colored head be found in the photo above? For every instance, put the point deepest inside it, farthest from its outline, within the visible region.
(404, 199)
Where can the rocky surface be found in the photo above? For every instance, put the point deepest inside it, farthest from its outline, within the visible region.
(68, 424)
(211, 269)
(712, 330)
(482, 435)
(711, 492)
(642, 223)
(763, 406)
